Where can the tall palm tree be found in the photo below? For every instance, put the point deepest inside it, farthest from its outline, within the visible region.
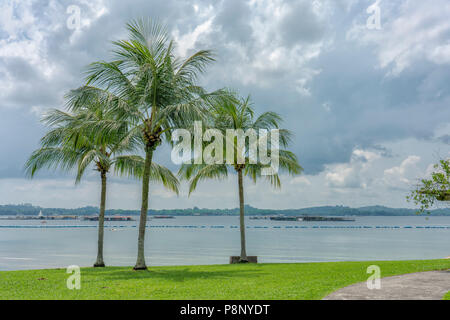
(152, 90)
(73, 142)
(237, 114)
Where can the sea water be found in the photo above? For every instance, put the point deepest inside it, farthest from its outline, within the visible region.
(212, 240)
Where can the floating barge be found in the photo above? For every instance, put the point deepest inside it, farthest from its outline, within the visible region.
(277, 218)
(310, 218)
(110, 218)
(318, 218)
(43, 218)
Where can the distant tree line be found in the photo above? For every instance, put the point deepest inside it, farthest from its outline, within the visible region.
(27, 209)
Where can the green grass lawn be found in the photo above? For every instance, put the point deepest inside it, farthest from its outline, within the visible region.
(447, 296)
(243, 281)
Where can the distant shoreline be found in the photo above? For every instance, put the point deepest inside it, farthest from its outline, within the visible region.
(340, 211)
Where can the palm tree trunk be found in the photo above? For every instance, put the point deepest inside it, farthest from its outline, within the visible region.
(241, 217)
(140, 263)
(101, 223)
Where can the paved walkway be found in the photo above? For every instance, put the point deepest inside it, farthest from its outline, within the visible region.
(430, 285)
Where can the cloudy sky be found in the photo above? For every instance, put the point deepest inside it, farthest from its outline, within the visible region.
(369, 106)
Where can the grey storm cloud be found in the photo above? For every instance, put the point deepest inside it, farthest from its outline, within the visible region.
(301, 24)
(30, 87)
(233, 20)
(20, 133)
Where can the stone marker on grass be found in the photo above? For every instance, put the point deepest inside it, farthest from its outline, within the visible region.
(237, 259)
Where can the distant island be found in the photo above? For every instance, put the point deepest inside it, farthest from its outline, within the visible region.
(29, 209)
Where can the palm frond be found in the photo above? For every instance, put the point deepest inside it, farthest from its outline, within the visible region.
(133, 166)
(196, 64)
(195, 173)
(86, 159)
(51, 158)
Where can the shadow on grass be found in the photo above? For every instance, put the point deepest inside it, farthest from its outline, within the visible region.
(180, 275)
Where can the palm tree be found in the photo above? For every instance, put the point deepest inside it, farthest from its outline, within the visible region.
(239, 114)
(72, 142)
(150, 89)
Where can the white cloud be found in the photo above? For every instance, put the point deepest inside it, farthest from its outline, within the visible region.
(281, 38)
(187, 41)
(326, 106)
(440, 54)
(343, 176)
(402, 176)
(300, 180)
(23, 35)
(411, 31)
(353, 174)
(55, 193)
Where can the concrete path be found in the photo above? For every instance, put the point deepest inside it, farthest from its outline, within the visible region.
(430, 285)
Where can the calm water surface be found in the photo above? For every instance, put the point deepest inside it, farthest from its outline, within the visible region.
(211, 240)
